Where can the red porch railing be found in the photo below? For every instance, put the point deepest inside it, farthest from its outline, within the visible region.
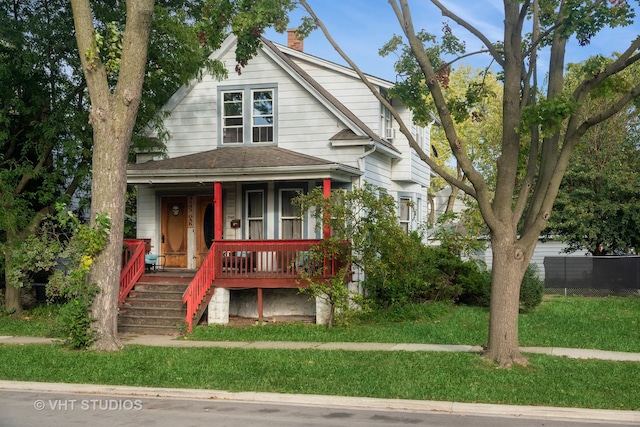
(254, 264)
(195, 294)
(133, 267)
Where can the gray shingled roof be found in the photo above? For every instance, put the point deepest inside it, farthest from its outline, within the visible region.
(233, 158)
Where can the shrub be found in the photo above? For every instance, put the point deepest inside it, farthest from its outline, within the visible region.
(477, 288)
(532, 289)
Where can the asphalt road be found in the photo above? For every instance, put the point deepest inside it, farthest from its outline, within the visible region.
(37, 408)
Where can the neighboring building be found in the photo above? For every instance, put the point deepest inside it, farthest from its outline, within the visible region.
(288, 123)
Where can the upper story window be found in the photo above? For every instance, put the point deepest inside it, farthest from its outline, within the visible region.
(386, 123)
(262, 121)
(386, 119)
(247, 116)
(232, 118)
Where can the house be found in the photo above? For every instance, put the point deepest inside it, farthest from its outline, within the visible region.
(242, 148)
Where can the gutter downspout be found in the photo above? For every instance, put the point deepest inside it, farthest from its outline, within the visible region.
(361, 164)
(362, 167)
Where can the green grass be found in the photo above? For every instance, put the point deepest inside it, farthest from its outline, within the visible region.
(460, 377)
(611, 323)
(39, 321)
(600, 323)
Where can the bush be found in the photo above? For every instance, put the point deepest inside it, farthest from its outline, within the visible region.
(410, 272)
(532, 289)
(477, 288)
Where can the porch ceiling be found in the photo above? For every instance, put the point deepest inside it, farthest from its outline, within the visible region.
(226, 164)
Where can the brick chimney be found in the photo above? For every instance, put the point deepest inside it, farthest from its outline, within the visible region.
(293, 41)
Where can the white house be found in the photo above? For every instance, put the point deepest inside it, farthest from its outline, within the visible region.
(240, 149)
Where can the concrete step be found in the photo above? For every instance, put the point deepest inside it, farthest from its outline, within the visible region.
(161, 320)
(161, 286)
(170, 294)
(155, 304)
(149, 329)
(136, 311)
(154, 301)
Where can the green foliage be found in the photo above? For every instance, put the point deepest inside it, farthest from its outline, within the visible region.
(107, 47)
(70, 282)
(247, 19)
(412, 88)
(74, 324)
(68, 247)
(549, 114)
(476, 284)
(399, 268)
(596, 208)
(532, 289)
(452, 235)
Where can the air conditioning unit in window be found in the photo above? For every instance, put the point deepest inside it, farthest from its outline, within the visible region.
(390, 134)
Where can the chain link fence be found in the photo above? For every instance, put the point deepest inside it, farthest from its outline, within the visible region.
(592, 276)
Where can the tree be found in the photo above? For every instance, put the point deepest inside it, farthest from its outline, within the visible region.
(597, 206)
(541, 126)
(114, 68)
(45, 148)
(44, 135)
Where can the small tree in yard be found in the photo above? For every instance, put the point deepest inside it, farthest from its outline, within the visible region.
(541, 127)
(398, 268)
(366, 219)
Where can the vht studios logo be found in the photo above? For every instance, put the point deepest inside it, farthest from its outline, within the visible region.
(88, 405)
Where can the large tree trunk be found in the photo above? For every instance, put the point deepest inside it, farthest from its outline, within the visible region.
(508, 268)
(113, 115)
(111, 146)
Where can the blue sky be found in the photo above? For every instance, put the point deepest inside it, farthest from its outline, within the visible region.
(361, 27)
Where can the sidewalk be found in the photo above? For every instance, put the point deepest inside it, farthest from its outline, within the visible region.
(532, 412)
(172, 341)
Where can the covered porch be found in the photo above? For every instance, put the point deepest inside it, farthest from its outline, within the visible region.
(227, 214)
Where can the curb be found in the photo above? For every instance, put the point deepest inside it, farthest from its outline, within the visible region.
(454, 408)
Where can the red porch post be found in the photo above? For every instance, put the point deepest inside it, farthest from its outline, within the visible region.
(326, 190)
(217, 210)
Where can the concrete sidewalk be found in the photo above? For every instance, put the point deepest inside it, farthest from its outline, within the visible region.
(174, 341)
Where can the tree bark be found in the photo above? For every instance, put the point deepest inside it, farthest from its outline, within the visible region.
(112, 117)
(508, 268)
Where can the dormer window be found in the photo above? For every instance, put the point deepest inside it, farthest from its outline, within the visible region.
(247, 116)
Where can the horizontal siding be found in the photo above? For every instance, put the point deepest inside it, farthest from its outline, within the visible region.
(542, 250)
(146, 215)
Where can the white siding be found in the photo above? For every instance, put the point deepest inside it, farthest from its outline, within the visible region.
(147, 215)
(543, 249)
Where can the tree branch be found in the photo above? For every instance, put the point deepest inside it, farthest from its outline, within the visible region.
(495, 53)
(403, 128)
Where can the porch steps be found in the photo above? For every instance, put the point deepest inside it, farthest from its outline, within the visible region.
(155, 306)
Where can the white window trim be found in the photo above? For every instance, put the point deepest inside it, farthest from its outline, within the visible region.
(247, 114)
(283, 217)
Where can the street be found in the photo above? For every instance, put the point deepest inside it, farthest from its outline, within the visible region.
(31, 408)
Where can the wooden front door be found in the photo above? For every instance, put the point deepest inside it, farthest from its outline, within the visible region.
(203, 227)
(174, 231)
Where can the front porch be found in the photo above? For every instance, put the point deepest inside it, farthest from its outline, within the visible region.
(231, 265)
